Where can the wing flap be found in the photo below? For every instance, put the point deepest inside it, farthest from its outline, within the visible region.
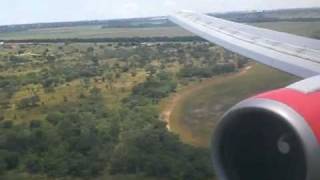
(290, 53)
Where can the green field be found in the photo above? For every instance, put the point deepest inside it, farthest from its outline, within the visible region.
(94, 32)
(309, 29)
(195, 114)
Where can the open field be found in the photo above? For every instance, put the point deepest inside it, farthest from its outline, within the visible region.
(84, 32)
(309, 29)
(200, 106)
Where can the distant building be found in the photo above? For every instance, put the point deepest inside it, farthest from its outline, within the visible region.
(1, 43)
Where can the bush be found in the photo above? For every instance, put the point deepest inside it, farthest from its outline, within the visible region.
(54, 117)
(33, 164)
(205, 72)
(29, 102)
(10, 160)
(156, 152)
(156, 87)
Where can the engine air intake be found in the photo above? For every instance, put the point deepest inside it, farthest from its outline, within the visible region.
(266, 139)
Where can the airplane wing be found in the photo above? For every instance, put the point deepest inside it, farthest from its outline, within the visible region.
(290, 53)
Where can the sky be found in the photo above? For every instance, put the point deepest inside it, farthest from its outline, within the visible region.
(31, 11)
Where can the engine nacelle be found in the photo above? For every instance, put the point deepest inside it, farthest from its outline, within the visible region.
(272, 136)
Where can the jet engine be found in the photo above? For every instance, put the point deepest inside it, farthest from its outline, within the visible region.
(272, 136)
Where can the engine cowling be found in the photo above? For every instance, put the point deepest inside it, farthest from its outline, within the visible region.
(272, 136)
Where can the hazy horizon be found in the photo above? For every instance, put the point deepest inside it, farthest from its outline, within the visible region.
(46, 11)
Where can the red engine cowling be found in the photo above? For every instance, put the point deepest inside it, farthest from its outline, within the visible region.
(272, 136)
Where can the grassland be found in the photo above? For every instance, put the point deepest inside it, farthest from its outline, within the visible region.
(201, 105)
(309, 29)
(93, 32)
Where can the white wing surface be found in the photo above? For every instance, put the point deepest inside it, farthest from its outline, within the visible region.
(290, 53)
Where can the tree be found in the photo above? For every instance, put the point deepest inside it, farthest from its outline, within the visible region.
(33, 164)
(156, 87)
(156, 152)
(95, 60)
(29, 102)
(51, 59)
(85, 82)
(35, 124)
(151, 70)
(54, 117)
(110, 78)
(10, 160)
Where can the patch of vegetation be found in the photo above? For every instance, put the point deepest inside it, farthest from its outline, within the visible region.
(206, 72)
(156, 87)
(85, 111)
(194, 117)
